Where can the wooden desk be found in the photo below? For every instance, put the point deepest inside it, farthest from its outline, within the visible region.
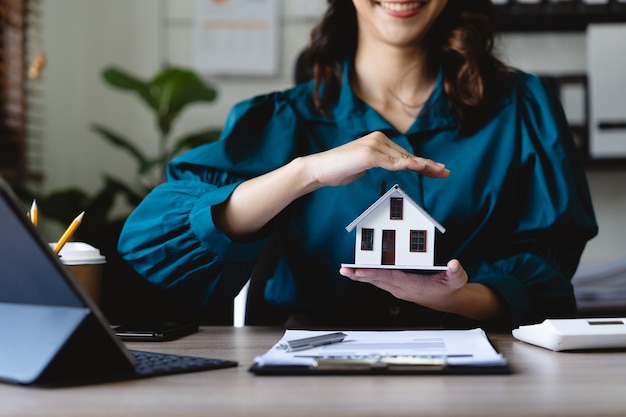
(544, 383)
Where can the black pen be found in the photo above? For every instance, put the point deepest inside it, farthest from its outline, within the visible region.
(311, 342)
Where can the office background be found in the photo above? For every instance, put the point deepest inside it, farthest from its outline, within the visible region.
(82, 37)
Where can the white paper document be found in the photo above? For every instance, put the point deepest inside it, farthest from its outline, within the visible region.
(449, 347)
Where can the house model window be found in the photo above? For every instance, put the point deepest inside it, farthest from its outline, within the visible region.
(395, 233)
(395, 208)
(367, 239)
(418, 241)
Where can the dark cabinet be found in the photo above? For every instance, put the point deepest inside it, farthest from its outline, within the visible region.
(556, 15)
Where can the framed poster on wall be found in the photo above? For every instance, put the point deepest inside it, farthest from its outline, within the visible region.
(236, 37)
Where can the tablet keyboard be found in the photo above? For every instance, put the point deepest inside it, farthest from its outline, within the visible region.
(152, 363)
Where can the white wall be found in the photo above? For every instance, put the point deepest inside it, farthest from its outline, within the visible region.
(82, 37)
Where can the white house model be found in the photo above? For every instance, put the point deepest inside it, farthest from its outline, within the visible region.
(395, 233)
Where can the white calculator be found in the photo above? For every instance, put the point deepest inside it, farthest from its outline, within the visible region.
(575, 334)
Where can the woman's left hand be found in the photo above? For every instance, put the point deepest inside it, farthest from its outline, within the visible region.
(436, 291)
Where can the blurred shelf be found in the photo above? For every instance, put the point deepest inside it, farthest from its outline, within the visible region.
(556, 16)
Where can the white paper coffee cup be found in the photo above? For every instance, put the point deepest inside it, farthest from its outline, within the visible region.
(85, 263)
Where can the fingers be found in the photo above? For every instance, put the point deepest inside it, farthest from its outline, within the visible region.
(453, 266)
(423, 166)
(457, 276)
(385, 279)
(366, 274)
(393, 157)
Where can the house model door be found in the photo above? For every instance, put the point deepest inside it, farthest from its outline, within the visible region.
(389, 248)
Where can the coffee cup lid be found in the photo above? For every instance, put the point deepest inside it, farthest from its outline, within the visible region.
(77, 253)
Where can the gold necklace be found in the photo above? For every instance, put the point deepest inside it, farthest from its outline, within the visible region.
(411, 110)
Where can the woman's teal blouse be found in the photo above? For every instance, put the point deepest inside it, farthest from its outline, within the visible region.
(516, 206)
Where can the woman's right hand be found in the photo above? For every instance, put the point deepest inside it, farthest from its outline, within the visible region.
(248, 209)
(346, 163)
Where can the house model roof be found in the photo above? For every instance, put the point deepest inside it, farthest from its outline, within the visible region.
(395, 190)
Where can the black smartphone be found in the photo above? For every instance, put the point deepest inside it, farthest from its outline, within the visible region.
(155, 332)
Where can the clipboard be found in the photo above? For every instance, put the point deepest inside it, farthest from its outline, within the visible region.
(439, 352)
(358, 369)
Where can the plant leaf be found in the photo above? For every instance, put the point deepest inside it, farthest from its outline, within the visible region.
(175, 88)
(123, 80)
(167, 93)
(121, 142)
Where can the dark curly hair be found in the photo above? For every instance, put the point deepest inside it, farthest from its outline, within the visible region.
(461, 40)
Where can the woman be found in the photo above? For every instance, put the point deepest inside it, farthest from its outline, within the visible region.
(404, 92)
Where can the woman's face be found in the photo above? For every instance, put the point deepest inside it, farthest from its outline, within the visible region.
(397, 22)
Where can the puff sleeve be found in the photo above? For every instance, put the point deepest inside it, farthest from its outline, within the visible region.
(170, 238)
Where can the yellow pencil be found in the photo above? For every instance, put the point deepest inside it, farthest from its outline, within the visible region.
(34, 213)
(68, 232)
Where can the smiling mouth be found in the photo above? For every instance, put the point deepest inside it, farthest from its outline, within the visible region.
(400, 7)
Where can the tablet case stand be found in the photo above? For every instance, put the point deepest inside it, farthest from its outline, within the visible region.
(54, 345)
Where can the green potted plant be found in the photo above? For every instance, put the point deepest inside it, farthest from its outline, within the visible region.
(166, 94)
